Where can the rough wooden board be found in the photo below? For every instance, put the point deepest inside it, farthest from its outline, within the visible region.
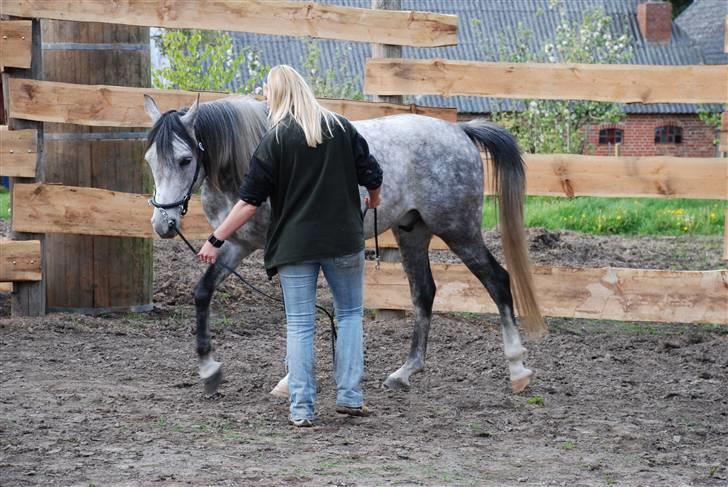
(6, 287)
(387, 241)
(599, 82)
(674, 177)
(20, 260)
(18, 152)
(46, 208)
(305, 19)
(118, 106)
(16, 43)
(602, 293)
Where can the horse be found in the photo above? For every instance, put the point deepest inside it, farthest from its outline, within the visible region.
(433, 185)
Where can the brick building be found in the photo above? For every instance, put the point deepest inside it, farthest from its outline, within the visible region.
(652, 129)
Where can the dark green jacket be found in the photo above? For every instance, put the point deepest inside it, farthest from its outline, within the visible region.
(314, 195)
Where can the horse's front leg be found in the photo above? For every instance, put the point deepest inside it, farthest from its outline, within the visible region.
(230, 256)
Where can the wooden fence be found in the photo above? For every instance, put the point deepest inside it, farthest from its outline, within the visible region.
(622, 294)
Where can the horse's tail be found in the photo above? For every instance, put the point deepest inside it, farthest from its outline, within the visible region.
(509, 183)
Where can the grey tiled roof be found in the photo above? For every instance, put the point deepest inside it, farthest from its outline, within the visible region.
(704, 23)
(499, 18)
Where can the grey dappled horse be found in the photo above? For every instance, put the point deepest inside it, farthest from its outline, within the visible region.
(433, 184)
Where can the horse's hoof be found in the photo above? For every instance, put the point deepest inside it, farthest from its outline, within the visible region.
(212, 382)
(281, 389)
(211, 375)
(519, 384)
(396, 384)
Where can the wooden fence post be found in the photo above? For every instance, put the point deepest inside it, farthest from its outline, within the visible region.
(28, 298)
(384, 51)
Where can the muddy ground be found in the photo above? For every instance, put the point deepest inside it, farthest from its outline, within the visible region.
(115, 400)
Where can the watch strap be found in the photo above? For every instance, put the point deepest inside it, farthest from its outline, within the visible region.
(217, 243)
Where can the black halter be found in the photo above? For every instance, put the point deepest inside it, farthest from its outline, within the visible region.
(182, 204)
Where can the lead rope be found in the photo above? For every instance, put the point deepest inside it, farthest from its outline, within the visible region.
(272, 298)
(376, 236)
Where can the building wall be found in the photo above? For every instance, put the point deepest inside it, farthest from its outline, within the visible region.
(639, 137)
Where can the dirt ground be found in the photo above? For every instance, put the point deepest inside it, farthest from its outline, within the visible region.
(115, 400)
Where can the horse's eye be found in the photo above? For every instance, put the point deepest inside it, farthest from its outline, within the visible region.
(184, 162)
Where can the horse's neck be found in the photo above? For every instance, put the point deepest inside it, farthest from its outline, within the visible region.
(232, 139)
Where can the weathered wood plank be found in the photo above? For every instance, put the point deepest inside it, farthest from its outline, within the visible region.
(29, 297)
(652, 177)
(422, 29)
(6, 287)
(47, 208)
(603, 293)
(118, 106)
(20, 260)
(599, 82)
(16, 43)
(18, 152)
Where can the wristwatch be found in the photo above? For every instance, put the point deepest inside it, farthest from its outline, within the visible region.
(217, 243)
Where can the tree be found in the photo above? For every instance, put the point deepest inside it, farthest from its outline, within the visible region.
(328, 83)
(204, 60)
(546, 126)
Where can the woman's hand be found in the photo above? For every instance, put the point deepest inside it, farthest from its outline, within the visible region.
(373, 200)
(208, 253)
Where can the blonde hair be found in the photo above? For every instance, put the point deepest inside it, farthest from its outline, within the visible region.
(289, 94)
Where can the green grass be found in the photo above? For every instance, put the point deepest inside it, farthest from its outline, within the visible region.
(4, 204)
(620, 216)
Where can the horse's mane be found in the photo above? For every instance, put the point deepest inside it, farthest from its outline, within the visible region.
(229, 130)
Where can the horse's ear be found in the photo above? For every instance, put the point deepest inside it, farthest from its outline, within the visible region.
(150, 106)
(188, 119)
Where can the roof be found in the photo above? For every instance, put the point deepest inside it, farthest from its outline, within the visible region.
(499, 18)
(704, 23)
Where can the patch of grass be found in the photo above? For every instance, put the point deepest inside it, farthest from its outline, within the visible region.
(713, 470)
(535, 401)
(4, 204)
(620, 216)
(568, 445)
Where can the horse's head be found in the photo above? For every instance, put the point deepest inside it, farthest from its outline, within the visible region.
(173, 154)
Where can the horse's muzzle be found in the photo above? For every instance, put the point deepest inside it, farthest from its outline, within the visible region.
(164, 225)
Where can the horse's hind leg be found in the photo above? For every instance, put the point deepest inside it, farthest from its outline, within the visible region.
(476, 256)
(211, 370)
(413, 245)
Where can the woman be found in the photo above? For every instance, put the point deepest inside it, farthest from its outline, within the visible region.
(310, 164)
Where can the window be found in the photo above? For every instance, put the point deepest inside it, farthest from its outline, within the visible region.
(610, 136)
(668, 135)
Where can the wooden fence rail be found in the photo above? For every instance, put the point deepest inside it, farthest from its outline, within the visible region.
(421, 29)
(599, 82)
(20, 260)
(16, 43)
(118, 106)
(593, 293)
(19, 152)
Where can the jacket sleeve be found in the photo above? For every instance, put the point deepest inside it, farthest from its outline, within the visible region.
(369, 173)
(259, 181)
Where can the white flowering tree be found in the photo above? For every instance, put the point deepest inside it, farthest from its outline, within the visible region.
(545, 126)
(204, 60)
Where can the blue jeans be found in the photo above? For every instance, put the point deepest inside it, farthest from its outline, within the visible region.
(345, 276)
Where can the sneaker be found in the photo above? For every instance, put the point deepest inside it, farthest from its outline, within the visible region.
(300, 423)
(361, 411)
